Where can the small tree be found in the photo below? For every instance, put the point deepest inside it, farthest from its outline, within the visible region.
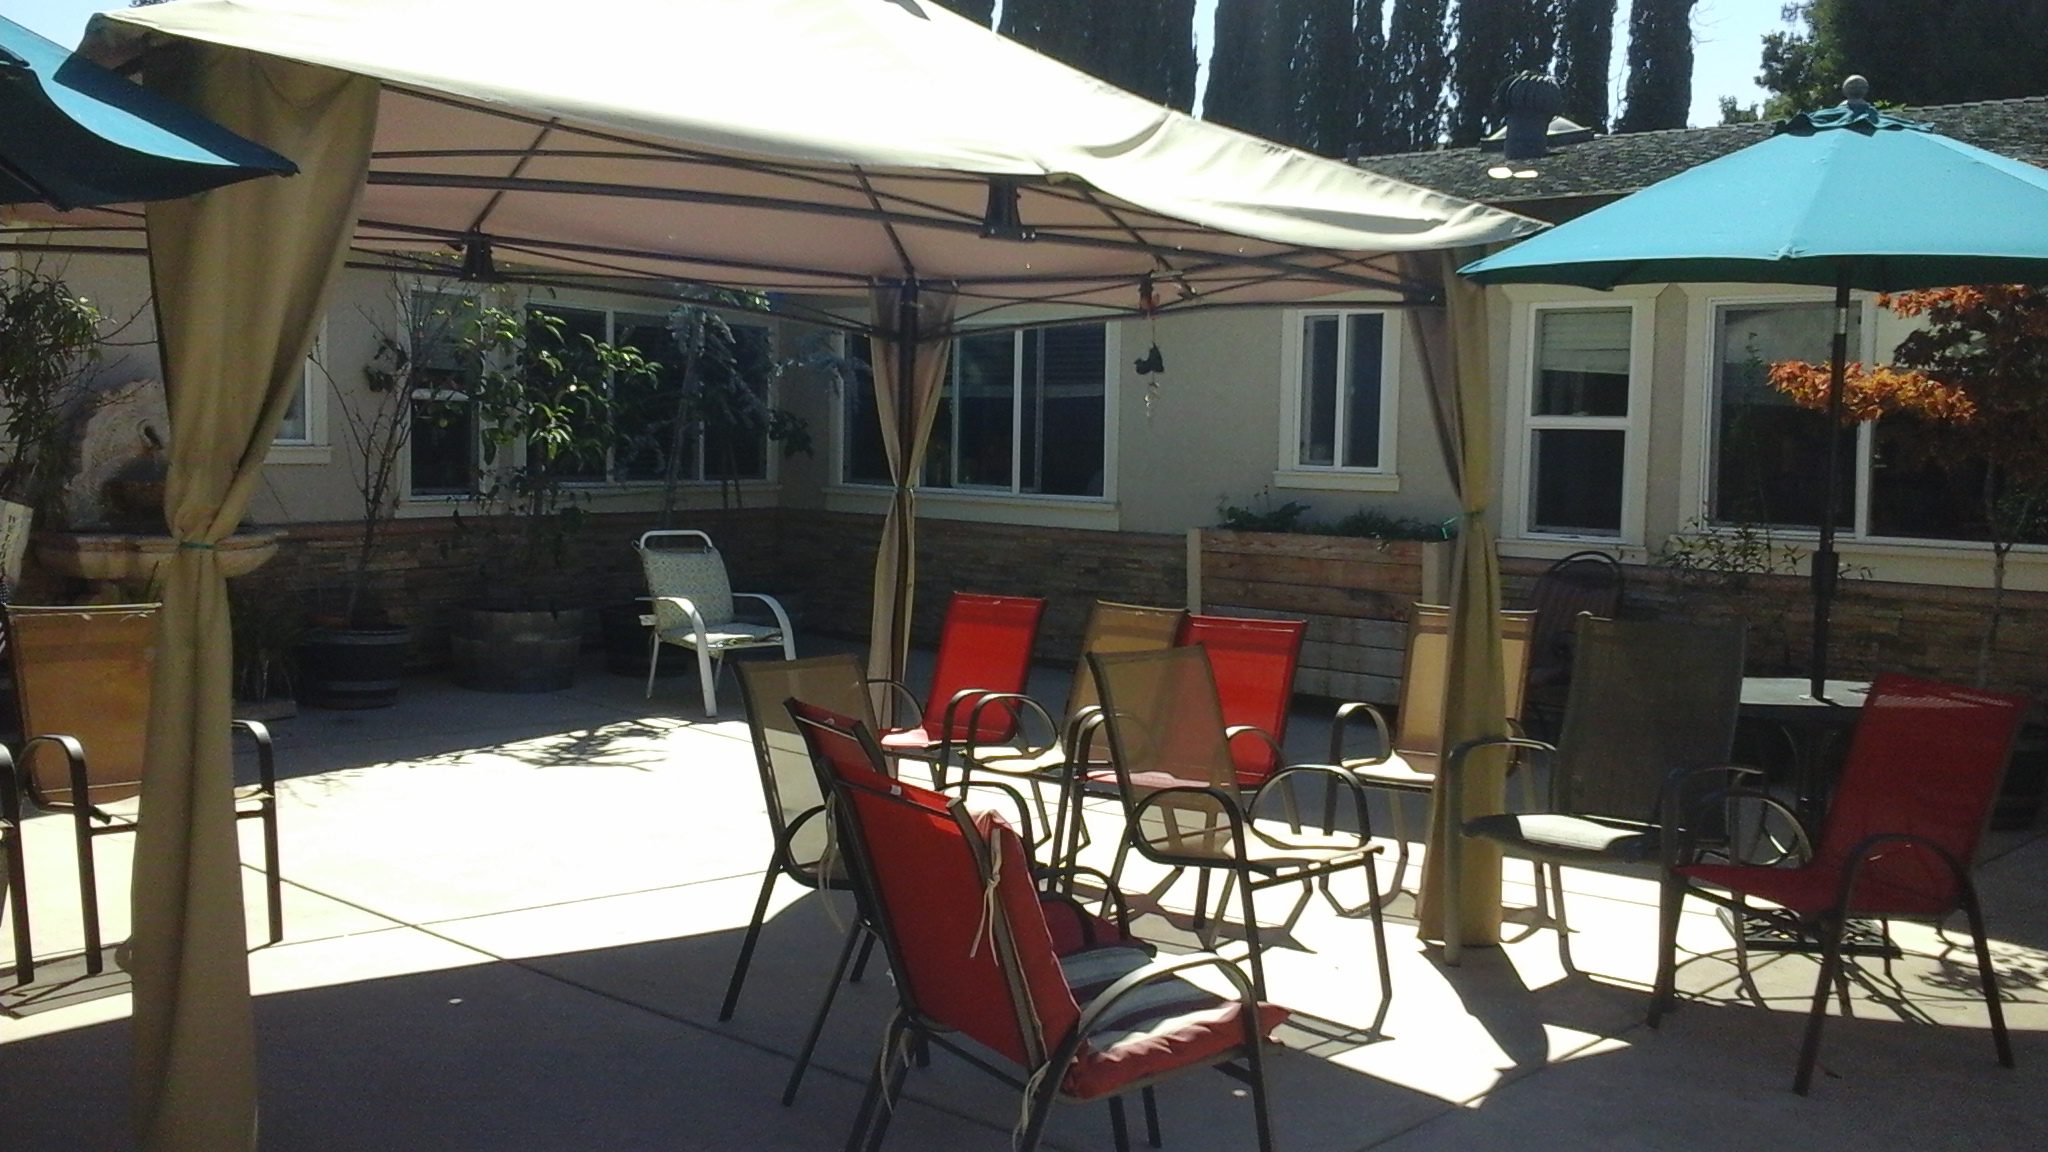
(1976, 372)
(544, 403)
(716, 394)
(49, 344)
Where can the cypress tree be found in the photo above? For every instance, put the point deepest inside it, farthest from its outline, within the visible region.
(1585, 48)
(1411, 90)
(1496, 39)
(1659, 65)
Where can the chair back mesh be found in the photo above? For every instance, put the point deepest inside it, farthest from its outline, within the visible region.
(1253, 662)
(85, 672)
(1112, 628)
(1419, 722)
(924, 871)
(1648, 697)
(1165, 730)
(789, 782)
(985, 644)
(695, 573)
(1927, 760)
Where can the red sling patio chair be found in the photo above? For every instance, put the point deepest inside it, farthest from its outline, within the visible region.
(1184, 806)
(1253, 661)
(1898, 841)
(979, 968)
(1068, 747)
(984, 647)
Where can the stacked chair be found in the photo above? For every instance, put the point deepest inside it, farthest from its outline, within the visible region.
(1253, 661)
(1582, 584)
(982, 971)
(1898, 841)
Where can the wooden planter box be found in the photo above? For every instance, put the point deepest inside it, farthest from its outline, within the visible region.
(1354, 593)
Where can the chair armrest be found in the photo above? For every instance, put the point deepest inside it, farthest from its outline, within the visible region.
(1865, 851)
(1112, 897)
(266, 753)
(1341, 724)
(1231, 733)
(1016, 798)
(1082, 729)
(1098, 1008)
(1010, 699)
(74, 760)
(1226, 804)
(774, 605)
(1335, 773)
(901, 690)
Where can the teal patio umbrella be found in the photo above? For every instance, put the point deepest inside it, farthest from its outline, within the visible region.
(1850, 197)
(74, 135)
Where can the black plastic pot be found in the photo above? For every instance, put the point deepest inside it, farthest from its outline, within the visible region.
(2026, 782)
(353, 667)
(627, 640)
(517, 651)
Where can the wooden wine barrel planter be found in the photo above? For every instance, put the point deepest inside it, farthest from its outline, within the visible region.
(353, 667)
(517, 651)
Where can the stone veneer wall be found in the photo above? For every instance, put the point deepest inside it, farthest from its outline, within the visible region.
(1924, 630)
(819, 563)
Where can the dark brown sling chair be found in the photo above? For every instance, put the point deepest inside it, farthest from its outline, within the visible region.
(82, 678)
(982, 970)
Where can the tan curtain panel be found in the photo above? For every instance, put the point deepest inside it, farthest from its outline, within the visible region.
(239, 276)
(1456, 363)
(925, 319)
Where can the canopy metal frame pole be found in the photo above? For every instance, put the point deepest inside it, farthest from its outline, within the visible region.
(1826, 568)
(906, 428)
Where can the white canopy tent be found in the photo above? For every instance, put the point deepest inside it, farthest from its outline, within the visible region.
(882, 148)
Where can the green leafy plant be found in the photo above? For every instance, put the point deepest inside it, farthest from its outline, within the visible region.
(543, 400)
(1363, 523)
(721, 377)
(50, 341)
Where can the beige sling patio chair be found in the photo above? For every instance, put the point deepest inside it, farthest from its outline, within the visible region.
(82, 679)
(1184, 806)
(693, 608)
(1412, 749)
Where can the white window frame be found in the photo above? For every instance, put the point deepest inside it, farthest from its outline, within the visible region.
(1518, 500)
(314, 447)
(1291, 472)
(994, 504)
(1697, 460)
(433, 502)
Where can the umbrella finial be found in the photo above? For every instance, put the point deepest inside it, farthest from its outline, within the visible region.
(1856, 91)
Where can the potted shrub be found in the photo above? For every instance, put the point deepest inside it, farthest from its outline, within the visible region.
(49, 342)
(543, 400)
(354, 653)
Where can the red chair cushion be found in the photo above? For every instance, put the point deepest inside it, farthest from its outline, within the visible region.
(1168, 1025)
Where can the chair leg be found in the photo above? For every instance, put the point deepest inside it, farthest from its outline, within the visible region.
(1119, 1127)
(1987, 975)
(1201, 898)
(810, 1048)
(653, 663)
(707, 673)
(1379, 944)
(88, 888)
(860, 963)
(1255, 1063)
(1151, 1101)
(1251, 935)
(746, 957)
(273, 876)
(17, 899)
(1670, 904)
(871, 1102)
(1830, 965)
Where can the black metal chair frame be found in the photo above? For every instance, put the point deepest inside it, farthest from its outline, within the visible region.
(16, 860)
(85, 815)
(1541, 706)
(910, 1027)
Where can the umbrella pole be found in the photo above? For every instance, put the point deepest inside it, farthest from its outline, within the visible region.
(1825, 566)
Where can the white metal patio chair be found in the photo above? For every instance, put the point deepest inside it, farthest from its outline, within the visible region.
(693, 608)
